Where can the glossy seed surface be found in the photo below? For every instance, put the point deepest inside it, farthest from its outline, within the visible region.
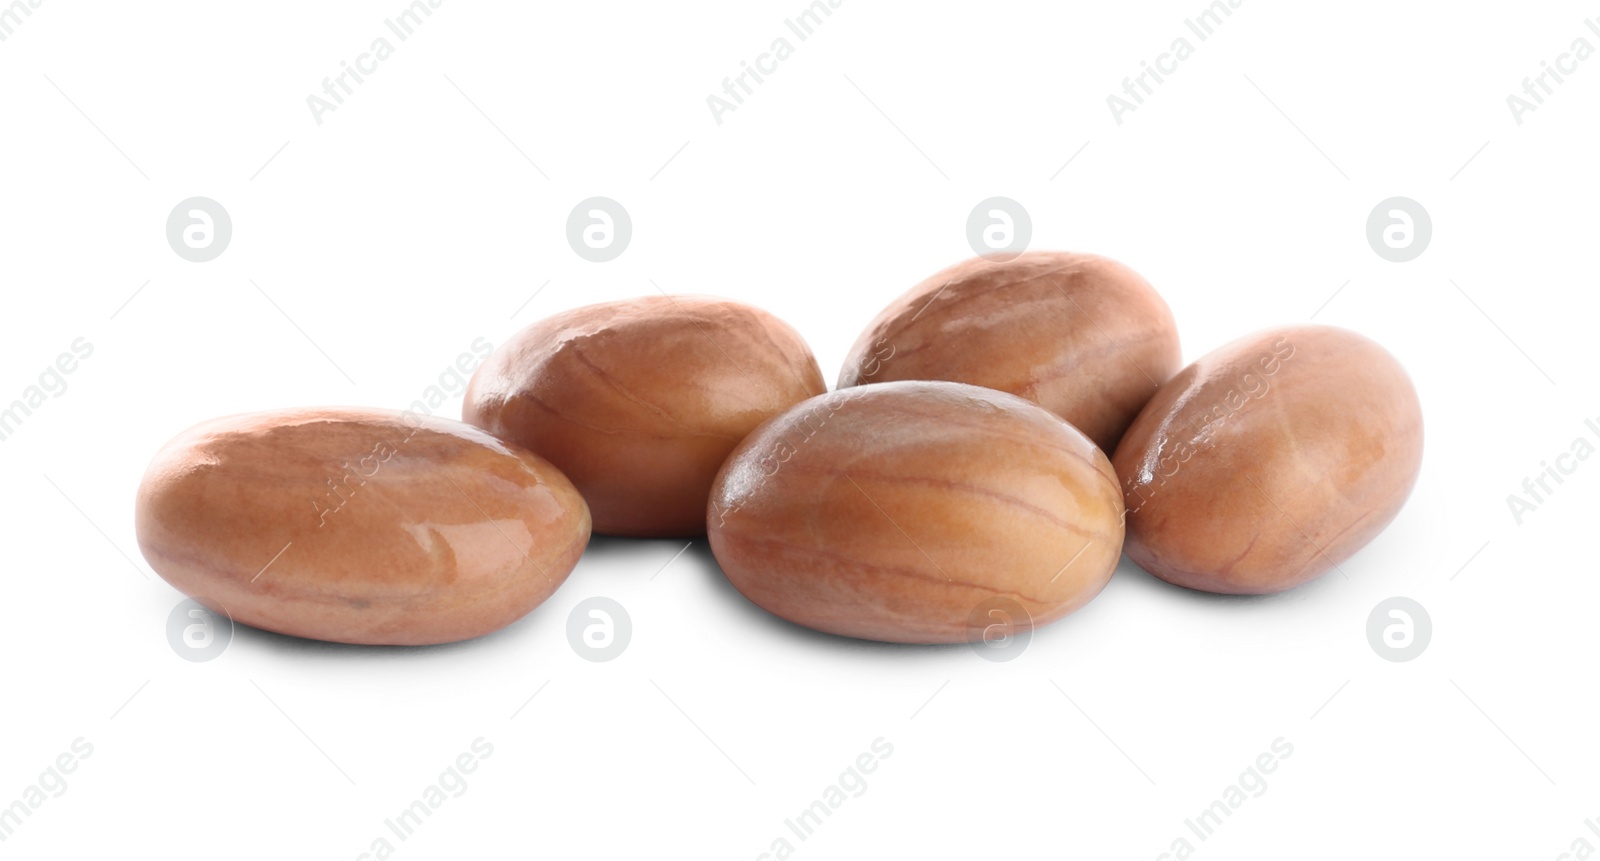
(639, 402)
(903, 511)
(1270, 460)
(359, 526)
(1081, 335)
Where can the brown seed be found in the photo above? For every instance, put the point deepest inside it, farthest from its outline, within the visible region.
(1083, 336)
(892, 512)
(639, 402)
(359, 526)
(1270, 460)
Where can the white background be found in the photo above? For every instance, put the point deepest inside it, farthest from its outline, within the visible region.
(407, 224)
